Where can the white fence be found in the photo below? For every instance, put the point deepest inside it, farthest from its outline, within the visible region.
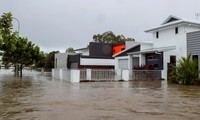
(90, 75)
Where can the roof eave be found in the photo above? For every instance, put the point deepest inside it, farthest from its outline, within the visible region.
(170, 25)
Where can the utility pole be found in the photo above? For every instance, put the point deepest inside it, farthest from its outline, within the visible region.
(17, 66)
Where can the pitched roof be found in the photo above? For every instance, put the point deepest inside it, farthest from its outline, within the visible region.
(173, 20)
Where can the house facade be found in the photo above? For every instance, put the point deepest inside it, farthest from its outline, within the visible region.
(96, 56)
(173, 39)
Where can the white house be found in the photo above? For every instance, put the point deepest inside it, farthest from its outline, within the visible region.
(173, 39)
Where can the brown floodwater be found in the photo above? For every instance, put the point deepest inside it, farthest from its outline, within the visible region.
(39, 97)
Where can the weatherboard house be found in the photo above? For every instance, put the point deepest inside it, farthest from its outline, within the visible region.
(174, 38)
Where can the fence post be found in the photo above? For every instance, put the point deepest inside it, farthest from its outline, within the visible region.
(52, 73)
(118, 74)
(75, 76)
(60, 74)
(89, 74)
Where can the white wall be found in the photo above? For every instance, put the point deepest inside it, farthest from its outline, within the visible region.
(167, 37)
(61, 60)
(92, 61)
(129, 44)
(166, 60)
(66, 75)
(144, 46)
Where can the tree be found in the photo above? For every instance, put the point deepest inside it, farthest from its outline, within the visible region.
(16, 50)
(110, 37)
(41, 60)
(185, 72)
(49, 60)
(70, 50)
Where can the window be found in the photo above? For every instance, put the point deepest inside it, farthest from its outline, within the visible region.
(150, 57)
(172, 59)
(196, 57)
(155, 66)
(56, 63)
(157, 34)
(176, 30)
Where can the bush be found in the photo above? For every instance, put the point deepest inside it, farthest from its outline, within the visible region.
(185, 72)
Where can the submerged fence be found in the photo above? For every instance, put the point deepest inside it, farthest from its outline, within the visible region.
(90, 75)
(146, 74)
(105, 75)
(97, 75)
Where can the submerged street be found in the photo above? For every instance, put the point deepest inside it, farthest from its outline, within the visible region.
(38, 96)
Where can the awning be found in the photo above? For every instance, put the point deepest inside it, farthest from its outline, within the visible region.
(153, 50)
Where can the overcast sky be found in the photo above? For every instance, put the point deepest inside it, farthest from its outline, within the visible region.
(59, 24)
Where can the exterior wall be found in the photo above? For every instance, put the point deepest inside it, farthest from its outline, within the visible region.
(129, 44)
(61, 61)
(193, 44)
(142, 59)
(93, 61)
(118, 48)
(144, 46)
(167, 37)
(100, 49)
(166, 60)
(73, 61)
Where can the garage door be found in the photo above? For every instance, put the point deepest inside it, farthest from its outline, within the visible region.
(123, 64)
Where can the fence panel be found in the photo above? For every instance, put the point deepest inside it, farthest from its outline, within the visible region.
(146, 74)
(83, 74)
(102, 75)
(66, 74)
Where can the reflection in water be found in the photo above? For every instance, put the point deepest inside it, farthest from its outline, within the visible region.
(39, 97)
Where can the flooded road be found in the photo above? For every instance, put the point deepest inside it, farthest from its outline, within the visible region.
(39, 97)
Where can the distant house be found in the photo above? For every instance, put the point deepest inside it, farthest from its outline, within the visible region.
(96, 56)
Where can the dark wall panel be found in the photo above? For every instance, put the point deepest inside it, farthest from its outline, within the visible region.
(100, 49)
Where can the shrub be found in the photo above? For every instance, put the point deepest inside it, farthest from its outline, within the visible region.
(185, 72)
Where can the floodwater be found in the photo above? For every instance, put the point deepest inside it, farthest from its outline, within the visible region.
(39, 97)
